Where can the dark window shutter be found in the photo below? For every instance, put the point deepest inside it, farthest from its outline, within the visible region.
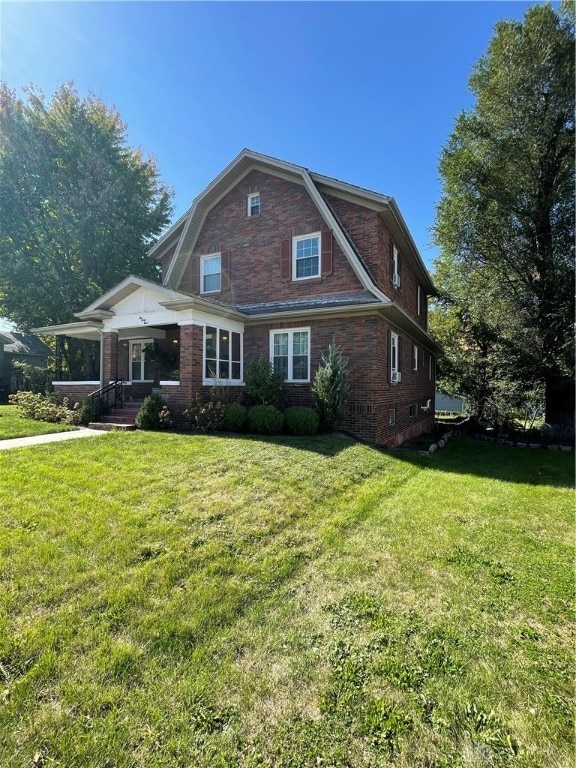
(399, 263)
(327, 250)
(286, 260)
(225, 270)
(400, 353)
(195, 274)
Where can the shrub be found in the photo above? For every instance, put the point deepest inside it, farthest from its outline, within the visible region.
(148, 417)
(265, 420)
(85, 413)
(262, 383)
(330, 388)
(234, 417)
(33, 405)
(301, 421)
(205, 416)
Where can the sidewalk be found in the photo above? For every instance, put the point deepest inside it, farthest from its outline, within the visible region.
(24, 442)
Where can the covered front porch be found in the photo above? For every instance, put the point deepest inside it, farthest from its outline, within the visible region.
(150, 338)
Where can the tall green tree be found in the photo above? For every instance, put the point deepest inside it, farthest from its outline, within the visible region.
(505, 223)
(79, 208)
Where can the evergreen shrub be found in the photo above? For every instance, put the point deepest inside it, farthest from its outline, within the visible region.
(235, 417)
(265, 420)
(299, 420)
(148, 417)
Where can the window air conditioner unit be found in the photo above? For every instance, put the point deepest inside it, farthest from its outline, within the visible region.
(396, 377)
(396, 280)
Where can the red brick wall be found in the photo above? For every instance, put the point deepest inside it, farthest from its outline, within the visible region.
(372, 239)
(364, 341)
(110, 356)
(255, 243)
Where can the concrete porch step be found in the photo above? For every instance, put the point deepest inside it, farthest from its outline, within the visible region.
(107, 426)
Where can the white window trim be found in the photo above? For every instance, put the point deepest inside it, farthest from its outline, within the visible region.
(251, 196)
(392, 416)
(223, 382)
(143, 342)
(291, 332)
(394, 343)
(415, 356)
(296, 240)
(203, 260)
(396, 274)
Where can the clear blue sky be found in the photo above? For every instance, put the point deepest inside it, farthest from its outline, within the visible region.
(366, 92)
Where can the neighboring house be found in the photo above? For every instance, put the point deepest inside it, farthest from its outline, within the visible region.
(449, 403)
(273, 260)
(23, 348)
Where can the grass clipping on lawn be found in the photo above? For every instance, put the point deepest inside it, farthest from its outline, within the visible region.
(175, 600)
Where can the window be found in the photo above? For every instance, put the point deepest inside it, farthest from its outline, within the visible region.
(414, 357)
(413, 411)
(394, 358)
(392, 416)
(210, 273)
(222, 355)
(290, 353)
(306, 256)
(254, 204)
(395, 267)
(141, 366)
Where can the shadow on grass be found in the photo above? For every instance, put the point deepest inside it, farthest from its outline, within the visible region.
(505, 463)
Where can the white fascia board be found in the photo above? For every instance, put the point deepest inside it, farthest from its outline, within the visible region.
(68, 329)
(341, 239)
(161, 245)
(396, 313)
(197, 303)
(351, 191)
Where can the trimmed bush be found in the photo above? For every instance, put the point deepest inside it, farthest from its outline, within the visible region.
(235, 417)
(265, 420)
(299, 420)
(148, 417)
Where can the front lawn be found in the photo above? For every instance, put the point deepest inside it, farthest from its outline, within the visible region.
(11, 425)
(173, 600)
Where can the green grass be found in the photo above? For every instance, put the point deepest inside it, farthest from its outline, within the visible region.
(12, 425)
(174, 600)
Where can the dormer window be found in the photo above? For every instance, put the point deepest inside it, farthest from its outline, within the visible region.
(254, 204)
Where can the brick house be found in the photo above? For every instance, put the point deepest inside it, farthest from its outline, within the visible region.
(273, 260)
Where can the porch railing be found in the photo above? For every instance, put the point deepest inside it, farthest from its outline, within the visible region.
(105, 398)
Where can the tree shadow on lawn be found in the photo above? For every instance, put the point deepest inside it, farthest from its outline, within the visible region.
(509, 464)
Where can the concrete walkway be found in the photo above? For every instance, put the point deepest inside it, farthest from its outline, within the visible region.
(24, 442)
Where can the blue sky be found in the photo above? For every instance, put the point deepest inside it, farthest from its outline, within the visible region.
(364, 91)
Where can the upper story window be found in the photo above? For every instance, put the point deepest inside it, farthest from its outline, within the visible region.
(395, 375)
(419, 301)
(211, 273)
(414, 357)
(306, 256)
(254, 204)
(395, 267)
(222, 356)
(290, 354)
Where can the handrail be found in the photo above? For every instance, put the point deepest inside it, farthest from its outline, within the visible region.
(101, 400)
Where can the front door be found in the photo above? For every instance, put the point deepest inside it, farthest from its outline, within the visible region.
(140, 367)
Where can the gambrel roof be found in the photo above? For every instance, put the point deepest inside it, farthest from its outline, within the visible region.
(184, 233)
